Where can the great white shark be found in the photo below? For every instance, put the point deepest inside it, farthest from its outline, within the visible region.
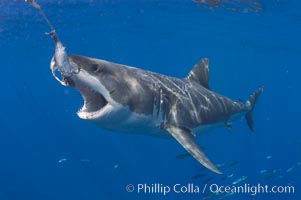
(128, 99)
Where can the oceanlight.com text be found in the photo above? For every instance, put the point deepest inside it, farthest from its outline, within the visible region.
(250, 189)
(191, 188)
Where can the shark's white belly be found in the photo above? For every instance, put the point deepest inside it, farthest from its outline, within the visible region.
(123, 120)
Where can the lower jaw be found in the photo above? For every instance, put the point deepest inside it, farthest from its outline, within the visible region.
(95, 114)
(87, 115)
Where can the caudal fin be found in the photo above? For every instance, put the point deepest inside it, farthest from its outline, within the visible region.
(251, 103)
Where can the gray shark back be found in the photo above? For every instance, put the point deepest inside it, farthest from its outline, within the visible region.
(181, 101)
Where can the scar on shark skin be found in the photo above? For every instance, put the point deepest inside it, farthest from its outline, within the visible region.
(131, 100)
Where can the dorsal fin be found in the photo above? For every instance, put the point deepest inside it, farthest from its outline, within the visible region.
(200, 73)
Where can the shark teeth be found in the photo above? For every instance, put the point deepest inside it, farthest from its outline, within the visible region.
(108, 108)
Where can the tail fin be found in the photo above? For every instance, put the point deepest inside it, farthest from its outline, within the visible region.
(251, 102)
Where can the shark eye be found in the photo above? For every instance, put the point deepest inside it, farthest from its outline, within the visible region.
(95, 68)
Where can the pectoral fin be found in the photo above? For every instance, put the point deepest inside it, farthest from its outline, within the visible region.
(187, 140)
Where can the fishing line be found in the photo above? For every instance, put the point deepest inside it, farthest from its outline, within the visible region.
(38, 7)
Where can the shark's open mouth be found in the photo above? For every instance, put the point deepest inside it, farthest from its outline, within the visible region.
(94, 102)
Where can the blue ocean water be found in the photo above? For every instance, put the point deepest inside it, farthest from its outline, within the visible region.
(47, 152)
